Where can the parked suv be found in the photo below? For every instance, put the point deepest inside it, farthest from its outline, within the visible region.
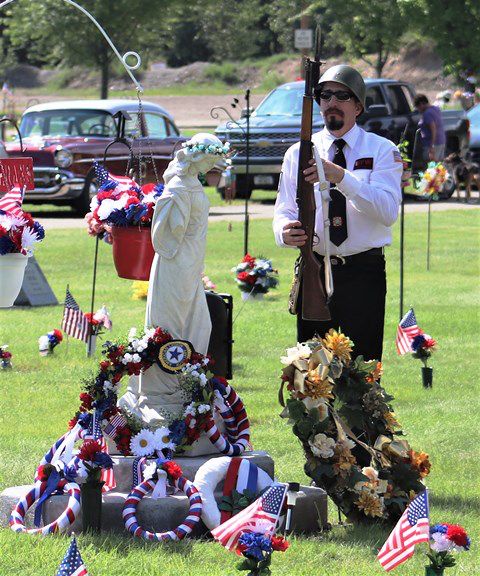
(65, 138)
(275, 126)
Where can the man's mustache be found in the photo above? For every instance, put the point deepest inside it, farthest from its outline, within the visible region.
(334, 111)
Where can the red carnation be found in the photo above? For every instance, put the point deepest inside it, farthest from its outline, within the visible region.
(117, 377)
(86, 400)
(104, 194)
(6, 354)
(279, 543)
(3, 231)
(131, 200)
(172, 469)
(457, 534)
(429, 343)
(58, 334)
(105, 365)
(249, 259)
(241, 548)
(147, 188)
(72, 422)
(44, 471)
(89, 449)
(161, 336)
(90, 319)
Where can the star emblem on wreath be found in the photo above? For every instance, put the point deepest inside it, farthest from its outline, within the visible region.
(173, 355)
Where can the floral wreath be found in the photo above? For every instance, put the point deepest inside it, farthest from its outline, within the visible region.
(255, 275)
(214, 149)
(203, 393)
(351, 438)
(175, 475)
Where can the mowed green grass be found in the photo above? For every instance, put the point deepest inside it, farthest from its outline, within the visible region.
(40, 395)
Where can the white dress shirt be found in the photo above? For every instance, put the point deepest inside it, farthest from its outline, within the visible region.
(373, 195)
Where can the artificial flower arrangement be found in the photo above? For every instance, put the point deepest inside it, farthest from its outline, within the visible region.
(140, 290)
(131, 436)
(257, 549)
(255, 275)
(5, 358)
(432, 180)
(352, 440)
(444, 540)
(208, 284)
(423, 346)
(92, 460)
(19, 233)
(120, 204)
(49, 341)
(99, 321)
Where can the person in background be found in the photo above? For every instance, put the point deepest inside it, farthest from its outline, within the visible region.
(431, 129)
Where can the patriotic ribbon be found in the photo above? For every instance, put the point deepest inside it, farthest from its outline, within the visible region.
(228, 486)
(51, 485)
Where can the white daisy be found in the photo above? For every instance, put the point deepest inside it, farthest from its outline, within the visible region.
(142, 444)
(161, 439)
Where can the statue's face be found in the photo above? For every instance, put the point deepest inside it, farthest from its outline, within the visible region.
(204, 163)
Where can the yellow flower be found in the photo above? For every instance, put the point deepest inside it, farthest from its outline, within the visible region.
(370, 504)
(315, 387)
(391, 421)
(140, 290)
(339, 344)
(375, 374)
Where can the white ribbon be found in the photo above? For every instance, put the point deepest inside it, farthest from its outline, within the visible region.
(65, 450)
(160, 490)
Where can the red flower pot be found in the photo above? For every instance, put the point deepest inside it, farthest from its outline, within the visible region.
(132, 252)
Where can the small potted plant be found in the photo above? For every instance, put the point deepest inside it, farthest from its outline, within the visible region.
(423, 347)
(92, 461)
(49, 341)
(122, 212)
(18, 235)
(255, 277)
(444, 540)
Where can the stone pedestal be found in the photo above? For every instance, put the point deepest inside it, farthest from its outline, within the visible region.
(164, 514)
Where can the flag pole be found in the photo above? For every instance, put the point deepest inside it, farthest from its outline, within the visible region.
(94, 282)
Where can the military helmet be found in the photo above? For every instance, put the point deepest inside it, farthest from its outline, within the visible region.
(346, 75)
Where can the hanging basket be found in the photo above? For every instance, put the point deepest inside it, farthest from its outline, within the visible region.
(12, 270)
(132, 252)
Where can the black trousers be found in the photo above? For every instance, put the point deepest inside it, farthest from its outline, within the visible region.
(357, 306)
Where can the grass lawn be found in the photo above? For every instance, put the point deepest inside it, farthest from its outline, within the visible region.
(40, 395)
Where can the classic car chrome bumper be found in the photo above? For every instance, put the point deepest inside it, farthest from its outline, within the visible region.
(55, 184)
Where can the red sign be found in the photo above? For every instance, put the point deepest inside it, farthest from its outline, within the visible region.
(16, 172)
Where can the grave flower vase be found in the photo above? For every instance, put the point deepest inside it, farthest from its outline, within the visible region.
(12, 270)
(92, 505)
(253, 296)
(431, 571)
(427, 376)
(132, 252)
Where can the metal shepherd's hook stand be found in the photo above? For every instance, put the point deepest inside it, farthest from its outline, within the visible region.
(214, 113)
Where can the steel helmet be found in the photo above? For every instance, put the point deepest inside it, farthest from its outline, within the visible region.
(346, 75)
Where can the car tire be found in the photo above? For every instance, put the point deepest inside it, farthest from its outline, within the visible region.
(448, 187)
(81, 205)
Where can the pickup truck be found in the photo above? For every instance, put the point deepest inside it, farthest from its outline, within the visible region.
(275, 126)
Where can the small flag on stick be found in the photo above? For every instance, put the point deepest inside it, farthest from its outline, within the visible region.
(261, 516)
(74, 322)
(412, 528)
(72, 563)
(406, 332)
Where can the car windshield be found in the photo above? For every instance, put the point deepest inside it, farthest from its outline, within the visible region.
(285, 101)
(68, 123)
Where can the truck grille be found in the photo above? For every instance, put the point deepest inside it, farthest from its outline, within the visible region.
(262, 151)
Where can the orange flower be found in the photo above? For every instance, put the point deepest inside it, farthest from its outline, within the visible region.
(391, 421)
(339, 344)
(420, 461)
(375, 374)
(315, 387)
(370, 504)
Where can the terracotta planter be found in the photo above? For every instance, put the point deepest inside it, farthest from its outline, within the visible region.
(132, 252)
(252, 296)
(12, 270)
(427, 376)
(92, 505)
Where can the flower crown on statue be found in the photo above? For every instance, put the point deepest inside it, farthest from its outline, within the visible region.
(207, 148)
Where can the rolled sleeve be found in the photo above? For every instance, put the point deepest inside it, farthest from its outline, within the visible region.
(381, 196)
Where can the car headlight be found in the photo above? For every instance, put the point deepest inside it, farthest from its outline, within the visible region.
(63, 158)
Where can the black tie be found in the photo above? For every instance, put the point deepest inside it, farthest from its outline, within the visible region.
(337, 209)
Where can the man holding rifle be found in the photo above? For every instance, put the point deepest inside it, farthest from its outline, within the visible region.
(363, 173)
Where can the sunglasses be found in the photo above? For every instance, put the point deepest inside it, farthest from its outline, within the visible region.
(340, 95)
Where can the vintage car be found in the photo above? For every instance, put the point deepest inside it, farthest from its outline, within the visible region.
(65, 138)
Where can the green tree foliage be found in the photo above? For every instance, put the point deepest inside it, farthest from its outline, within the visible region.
(454, 27)
(59, 33)
(370, 30)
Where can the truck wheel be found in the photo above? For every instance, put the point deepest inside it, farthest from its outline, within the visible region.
(448, 187)
(81, 205)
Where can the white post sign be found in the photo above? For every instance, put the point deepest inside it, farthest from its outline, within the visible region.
(303, 38)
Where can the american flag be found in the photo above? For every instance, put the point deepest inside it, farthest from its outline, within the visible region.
(12, 201)
(406, 332)
(72, 563)
(412, 528)
(103, 176)
(95, 431)
(118, 421)
(261, 516)
(74, 322)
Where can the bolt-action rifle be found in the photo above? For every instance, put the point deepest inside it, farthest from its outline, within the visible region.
(314, 298)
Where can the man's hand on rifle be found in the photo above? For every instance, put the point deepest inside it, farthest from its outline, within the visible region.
(293, 234)
(333, 173)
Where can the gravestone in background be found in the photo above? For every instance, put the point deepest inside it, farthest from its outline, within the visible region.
(35, 290)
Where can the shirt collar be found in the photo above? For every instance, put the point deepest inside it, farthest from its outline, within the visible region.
(350, 137)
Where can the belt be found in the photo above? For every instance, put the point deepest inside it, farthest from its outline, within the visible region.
(337, 259)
